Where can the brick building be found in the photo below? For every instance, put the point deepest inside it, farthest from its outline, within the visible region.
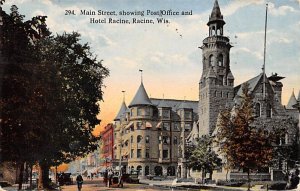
(107, 152)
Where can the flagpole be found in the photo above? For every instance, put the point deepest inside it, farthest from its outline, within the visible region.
(264, 66)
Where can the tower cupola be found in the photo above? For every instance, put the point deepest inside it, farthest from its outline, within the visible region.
(216, 21)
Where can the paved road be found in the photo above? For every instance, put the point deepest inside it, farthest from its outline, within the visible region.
(98, 185)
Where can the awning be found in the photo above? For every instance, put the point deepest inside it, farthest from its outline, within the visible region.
(115, 145)
(158, 125)
(148, 125)
(129, 125)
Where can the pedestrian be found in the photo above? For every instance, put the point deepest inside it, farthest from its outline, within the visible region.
(110, 175)
(79, 181)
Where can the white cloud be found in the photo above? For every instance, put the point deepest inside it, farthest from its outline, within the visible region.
(238, 4)
(256, 54)
(280, 11)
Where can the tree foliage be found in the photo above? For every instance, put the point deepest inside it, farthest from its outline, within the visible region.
(203, 157)
(51, 88)
(244, 146)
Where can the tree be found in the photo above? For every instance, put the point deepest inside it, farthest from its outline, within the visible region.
(244, 146)
(203, 157)
(50, 96)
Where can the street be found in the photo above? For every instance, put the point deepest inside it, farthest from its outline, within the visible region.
(97, 185)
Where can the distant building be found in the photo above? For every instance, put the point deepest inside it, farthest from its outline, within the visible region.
(107, 147)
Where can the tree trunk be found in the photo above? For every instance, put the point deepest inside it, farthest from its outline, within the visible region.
(203, 176)
(30, 176)
(46, 181)
(20, 180)
(248, 175)
(40, 182)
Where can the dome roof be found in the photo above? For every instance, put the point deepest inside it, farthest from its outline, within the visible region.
(121, 111)
(141, 97)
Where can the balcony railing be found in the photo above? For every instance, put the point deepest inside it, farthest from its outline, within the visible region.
(213, 39)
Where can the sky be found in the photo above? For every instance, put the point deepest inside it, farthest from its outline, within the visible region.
(168, 52)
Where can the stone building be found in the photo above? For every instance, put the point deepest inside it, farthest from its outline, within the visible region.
(148, 134)
(217, 91)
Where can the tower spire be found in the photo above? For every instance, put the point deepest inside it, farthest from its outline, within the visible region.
(123, 95)
(140, 70)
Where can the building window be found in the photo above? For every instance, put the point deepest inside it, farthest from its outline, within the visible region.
(165, 114)
(269, 110)
(159, 139)
(257, 110)
(187, 127)
(138, 138)
(139, 169)
(139, 125)
(220, 60)
(176, 126)
(139, 111)
(147, 139)
(175, 140)
(159, 153)
(147, 111)
(131, 112)
(165, 154)
(132, 152)
(147, 170)
(211, 60)
(166, 126)
(187, 115)
(166, 140)
(147, 154)
(139, 153)
(131, 139)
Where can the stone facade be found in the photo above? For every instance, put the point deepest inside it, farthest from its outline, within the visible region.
(150, 134)
(217, 91)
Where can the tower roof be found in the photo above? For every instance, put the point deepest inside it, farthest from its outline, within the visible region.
(141, 97)
(292, 101)
(121, 111)
(298, 96)
(216, 14)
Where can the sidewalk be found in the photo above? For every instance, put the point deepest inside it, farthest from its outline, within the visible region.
(191, 185)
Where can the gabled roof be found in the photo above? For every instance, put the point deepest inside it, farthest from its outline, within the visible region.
(121, 111)
(292, 101)
(252, 84)
(141, 97)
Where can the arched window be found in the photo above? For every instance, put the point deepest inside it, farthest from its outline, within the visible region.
(269, 110)
(216, 93)
(213, 31)
(220, 60)
(257, 109)
(147, 139)
(211, 60)
(139, 169)
(138, 138)
(147, 170)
